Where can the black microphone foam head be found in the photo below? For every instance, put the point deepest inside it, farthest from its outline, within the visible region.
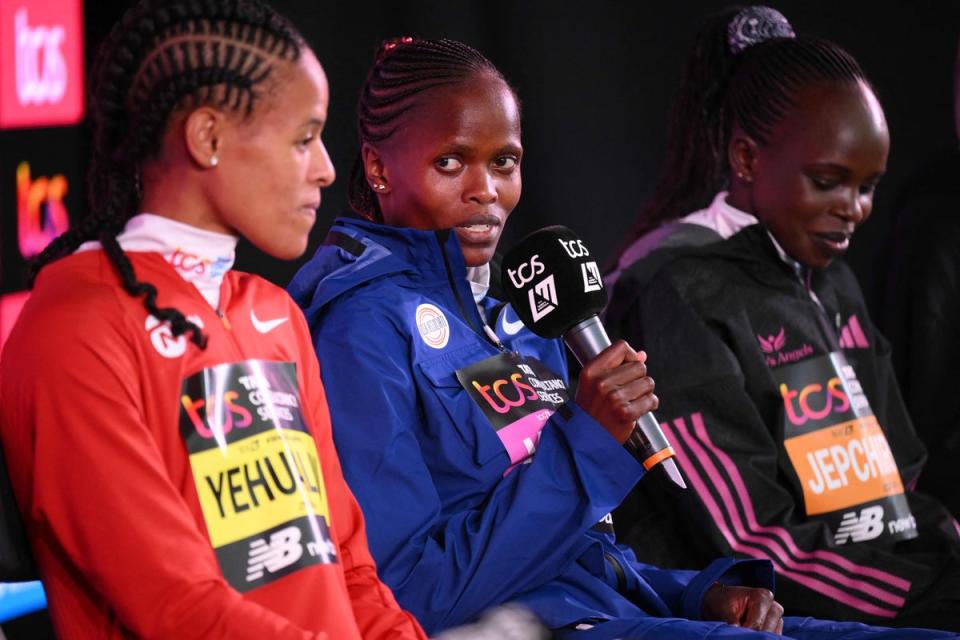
(552, 281)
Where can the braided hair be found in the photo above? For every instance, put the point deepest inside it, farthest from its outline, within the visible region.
(736, 77)
(773, 73)
(695, 166)
(404, 68)
(696, 148)
(165, 56)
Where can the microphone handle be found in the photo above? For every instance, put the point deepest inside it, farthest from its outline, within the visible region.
(586, 340)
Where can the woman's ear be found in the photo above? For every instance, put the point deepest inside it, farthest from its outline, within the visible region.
(374, 169)
(742, 155)
(202, 134)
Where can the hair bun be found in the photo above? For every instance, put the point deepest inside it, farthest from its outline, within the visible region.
(755, 24)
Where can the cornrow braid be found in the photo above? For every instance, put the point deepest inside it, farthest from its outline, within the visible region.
(774, 72)
(404, 68)
(162, 57)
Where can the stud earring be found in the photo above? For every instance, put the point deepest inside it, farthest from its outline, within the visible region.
(214, 160)
(379, 186)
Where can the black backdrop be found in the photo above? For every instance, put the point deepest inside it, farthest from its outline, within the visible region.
(596, 81)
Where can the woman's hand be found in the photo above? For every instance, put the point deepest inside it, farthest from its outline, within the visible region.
(746, 607)
(615, 389)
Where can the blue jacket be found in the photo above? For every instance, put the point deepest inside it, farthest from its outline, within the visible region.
(453, 528)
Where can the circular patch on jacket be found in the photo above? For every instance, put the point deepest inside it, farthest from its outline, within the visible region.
(433, 326)
(166, 344)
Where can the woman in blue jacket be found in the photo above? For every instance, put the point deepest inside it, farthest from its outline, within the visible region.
(481, 483)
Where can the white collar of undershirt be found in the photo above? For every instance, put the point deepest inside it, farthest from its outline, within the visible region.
(727, 220)
(721, 216)
(479, 279)
(201, 257)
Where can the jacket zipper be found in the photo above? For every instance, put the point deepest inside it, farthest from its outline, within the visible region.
(618, 570)
(487, 332)
(822, 318)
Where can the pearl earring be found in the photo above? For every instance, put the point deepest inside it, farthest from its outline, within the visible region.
(214, 160)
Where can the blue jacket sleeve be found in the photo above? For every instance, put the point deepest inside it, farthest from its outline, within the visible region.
(683, 591)
(447, 563)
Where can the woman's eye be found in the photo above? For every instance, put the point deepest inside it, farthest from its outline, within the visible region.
(449, 165)
(824, 184)
(304, 141)
(866, 189)
(506, 162)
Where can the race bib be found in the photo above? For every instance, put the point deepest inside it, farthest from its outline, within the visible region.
(840, 454)
(256, 470)
(517, 395)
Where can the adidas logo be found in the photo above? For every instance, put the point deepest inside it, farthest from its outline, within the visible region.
(852, 336)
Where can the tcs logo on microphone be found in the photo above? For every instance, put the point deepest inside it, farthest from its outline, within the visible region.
(574, 248)
(526, 272)
(41, 63)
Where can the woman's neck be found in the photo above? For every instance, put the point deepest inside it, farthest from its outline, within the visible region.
(739, 198)
(180, 191)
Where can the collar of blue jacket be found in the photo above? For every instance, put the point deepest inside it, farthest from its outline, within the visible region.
(359, 251)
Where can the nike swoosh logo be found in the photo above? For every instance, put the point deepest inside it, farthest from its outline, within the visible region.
(510, 328)
(266, 326)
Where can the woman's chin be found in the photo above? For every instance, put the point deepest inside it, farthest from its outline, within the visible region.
(477, 257)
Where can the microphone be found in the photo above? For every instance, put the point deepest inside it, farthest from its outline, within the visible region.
(555, 287)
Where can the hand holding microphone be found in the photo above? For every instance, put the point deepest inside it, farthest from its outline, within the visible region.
(555, 288)
(615, 389)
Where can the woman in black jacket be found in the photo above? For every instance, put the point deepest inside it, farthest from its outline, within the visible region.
(776, 391)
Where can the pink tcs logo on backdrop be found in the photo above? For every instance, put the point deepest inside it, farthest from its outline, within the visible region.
(41, 63)
(41, 213)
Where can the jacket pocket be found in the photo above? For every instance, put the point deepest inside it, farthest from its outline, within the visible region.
(455, 420)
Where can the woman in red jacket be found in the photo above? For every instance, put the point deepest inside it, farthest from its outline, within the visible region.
(163, 418)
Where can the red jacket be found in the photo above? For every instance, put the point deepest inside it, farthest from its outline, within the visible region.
(175, 492)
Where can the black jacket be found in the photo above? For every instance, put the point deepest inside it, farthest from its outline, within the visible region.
(778, 444)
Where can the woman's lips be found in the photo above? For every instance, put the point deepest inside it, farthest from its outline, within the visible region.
(479, 229)
(834, 242)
